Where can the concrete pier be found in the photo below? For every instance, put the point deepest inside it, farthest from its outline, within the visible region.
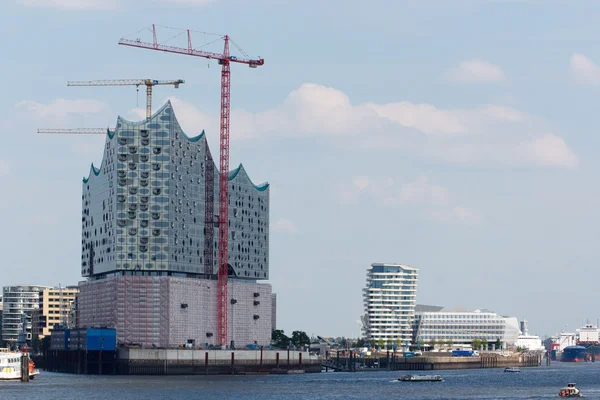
(137, 361)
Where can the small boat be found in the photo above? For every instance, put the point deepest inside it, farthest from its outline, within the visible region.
(512, 369)
(10, 365)
(421, 378)
(570, 391)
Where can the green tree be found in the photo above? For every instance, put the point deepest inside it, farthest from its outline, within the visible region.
(379, 344)
(476, 344)
(432, 343)
(279, 339)
(300, 339)
(360, 343)
(484, 342)
(498, 344)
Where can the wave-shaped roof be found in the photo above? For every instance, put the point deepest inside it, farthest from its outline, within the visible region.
(111, 134)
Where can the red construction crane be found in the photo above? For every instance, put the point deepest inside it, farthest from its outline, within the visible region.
(224, 59)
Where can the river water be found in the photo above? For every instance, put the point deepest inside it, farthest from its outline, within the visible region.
(530, 383)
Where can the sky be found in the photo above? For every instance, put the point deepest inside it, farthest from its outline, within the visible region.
(459, 137)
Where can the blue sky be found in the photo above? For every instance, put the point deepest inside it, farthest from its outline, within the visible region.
(455, 136)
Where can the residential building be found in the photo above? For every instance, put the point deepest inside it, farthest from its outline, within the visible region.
(389, 301)
(54, 309)
(150, 240)
(19, 303)
(459, 328)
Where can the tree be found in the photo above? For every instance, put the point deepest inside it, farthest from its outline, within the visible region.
(498, 344)
(389, 344)
(279, 339)
(432, 343)
(379, 344)
(484, 342)
(360, 342)
(476, 344)
(300, 339)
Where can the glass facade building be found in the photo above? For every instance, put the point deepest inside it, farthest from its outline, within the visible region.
(389, 301)
(143, 209)
(461, 327)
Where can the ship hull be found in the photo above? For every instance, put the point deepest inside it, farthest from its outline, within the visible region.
(573, 354)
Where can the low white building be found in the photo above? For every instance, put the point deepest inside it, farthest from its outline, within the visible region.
(460, 327)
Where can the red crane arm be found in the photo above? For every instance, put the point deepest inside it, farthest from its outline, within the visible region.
(189, 51)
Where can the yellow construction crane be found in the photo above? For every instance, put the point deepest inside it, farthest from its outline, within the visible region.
(76, 131)
(131, 82)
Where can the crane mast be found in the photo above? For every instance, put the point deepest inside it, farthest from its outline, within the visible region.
(225, 60)
(149, 83)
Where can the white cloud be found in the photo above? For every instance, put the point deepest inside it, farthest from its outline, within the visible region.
(583, 70)
(73, 4)
(476, 71)
(549, 150)
(428, 198)
(489, 134)
(60, 108)
(5, 167)
(284, 225)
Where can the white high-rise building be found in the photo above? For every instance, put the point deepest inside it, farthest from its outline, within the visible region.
(19, 303)
(389, 300)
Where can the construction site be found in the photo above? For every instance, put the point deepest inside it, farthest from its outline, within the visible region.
(174, 247)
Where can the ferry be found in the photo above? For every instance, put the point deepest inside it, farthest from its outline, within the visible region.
(10, 365)
(421, 378)
(512, 369)
(569, 391)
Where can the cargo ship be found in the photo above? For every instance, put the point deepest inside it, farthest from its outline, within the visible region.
(573, 354)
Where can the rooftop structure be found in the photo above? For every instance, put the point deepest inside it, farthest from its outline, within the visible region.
(389, 300)
(143, 209)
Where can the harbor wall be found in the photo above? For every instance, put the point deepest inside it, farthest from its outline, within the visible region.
(205, 362)
(137, 361)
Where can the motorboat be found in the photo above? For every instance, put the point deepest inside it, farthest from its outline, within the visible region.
(570, 391)
(512, 369)
(421, 378)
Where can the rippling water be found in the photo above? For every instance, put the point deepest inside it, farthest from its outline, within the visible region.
(531, 383)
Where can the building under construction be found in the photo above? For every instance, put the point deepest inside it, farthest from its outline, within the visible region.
(150, 241)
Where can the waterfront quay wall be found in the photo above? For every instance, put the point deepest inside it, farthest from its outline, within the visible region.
(182, 361)
(132, 361)
(484, 361)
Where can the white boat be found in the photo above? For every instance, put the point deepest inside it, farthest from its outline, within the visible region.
(421, 378)
(570, 391)
(10, 365)
(512, 369)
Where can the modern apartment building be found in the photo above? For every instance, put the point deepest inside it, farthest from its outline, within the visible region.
(389, 301)
(19, 303)
(460, 327)
(144, 209)
(55, 307)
